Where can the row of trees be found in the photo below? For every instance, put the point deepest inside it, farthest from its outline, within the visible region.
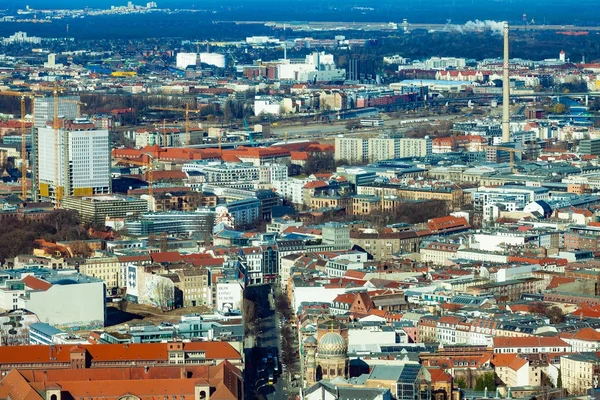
(410, 213)
(289, 351)
(249, 313)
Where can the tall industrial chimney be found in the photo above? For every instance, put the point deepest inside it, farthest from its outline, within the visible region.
(505, 91)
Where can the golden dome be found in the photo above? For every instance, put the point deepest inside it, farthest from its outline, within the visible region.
(332, 344)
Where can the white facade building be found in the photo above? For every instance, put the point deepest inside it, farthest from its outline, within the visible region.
(445, 62)
(369, 334)
(318, 67)
(291, 189)
(51, 297)
(380, 148)
(80, 168)
(185, 60)
(266, 106)
(229, 296)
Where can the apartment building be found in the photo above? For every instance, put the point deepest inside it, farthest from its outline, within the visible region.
(380, 148)
(454, 196)
(579, 372)
(106, 268)
(95, 209)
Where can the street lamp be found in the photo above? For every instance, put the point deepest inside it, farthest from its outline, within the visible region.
(260, 379)
(261, 386)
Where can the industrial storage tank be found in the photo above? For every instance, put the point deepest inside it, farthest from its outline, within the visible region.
(215, 59)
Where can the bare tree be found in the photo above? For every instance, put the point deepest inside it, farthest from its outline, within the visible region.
(164, 294)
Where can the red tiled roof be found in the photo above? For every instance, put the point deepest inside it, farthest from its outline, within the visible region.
(585, 334)
(347, 298)
(320, 147)
(36, 284)
(14, 386)
(473, 362)
(588, 311)
(559, 280)
(448, 222)
(524, 308)
(315, 185)
(111, 352)
(230, 158)
(166, 257)
(299, 155)
(258, 152)
(438, 375)
(513, 361)
(532, 341)
(449, 319)
(150, 382)
(125, 259)
(168, 175)
(13, 124)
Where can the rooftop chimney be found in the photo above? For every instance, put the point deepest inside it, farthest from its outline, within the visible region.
(505, 91)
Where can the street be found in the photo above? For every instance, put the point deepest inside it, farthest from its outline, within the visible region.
(261, 359)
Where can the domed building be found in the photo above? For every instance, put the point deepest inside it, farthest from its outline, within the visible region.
(330, 360)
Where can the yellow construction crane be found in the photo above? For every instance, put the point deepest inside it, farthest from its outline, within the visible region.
(22, 96)
(187, 112)
(79, 104)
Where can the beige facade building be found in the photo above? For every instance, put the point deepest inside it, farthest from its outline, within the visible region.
(382, 245)
(580, 372)
(351, 149)
(106, 268)
(454, 196)
(438, 253)
(194, 286)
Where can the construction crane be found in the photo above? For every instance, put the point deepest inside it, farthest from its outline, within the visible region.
(511, 151)
(187, 112)
(146, 161)
(22, 96)
(162, 132)
(79, 104)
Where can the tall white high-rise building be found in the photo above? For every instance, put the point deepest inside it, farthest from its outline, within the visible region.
(68, 108)
(78, 165)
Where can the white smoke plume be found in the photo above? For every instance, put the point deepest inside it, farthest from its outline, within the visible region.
(496, 27)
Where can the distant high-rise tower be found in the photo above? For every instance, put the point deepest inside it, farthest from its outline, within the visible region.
(505, 90)
(68, 108)
(562, 56)
(82, 165)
